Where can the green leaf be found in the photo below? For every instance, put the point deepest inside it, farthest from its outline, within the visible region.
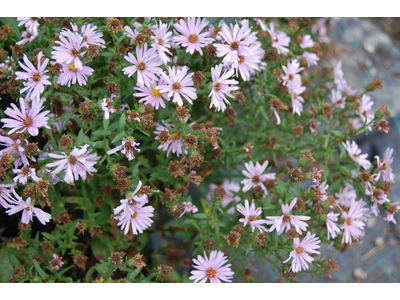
(202, 216)
(106, 122)
(39, 269)
(122, 122)
(102, 132)
(119, 137)
(80, 137)
(5, 266)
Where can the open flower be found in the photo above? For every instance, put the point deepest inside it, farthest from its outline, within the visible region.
(230, 188)
(280, 40)
(30, 119)
(212, 269)
(355, 154)
(251, 214)
(173, 144)
(390, 213)
(162, 43)
(291, 73)
(92, 36)
(24, 174)
(307, 42)
(138, 218)
(301, 252)
(16, 204)
(34, 78)
(311, 58)
(331, 226)
(5, 192)
(146, 63)
(78, 163)
(31, 23)
(191, 36)
(152, 94)
(178, 85)
(222, 87)
(281, 222)
(128, 146)
(353, 225)
(71, 74)
(188, 207)
(384, 166)
(255, 176)
(14, 147)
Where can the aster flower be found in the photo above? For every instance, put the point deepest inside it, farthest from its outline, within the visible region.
(78, 163)
(27, 37)
(174, 144)
(30, 119)
(291, 73)
(152, 94)
(337, 98)
(71, 74)
(307, 42)
(71, 48)
(255, 177)
(250, 214)
(230, 188)
(128, 146)
(235, 43)
(331, 226)
(247, 65)
(35, 80)
(106, 106)
(16, 204)
(189, 34)
(138, 218)
(178, 85)
(353, 225)
(162, 43)
(24, 174)
(92, 36)
(384, 166)
(311, 58)
(338, 73)
(222, 87)
(390, 213)
(133, 201)
(280, 40)
(281, 222)
(346, 194)
(212, 269)
(355, 154)
(378, 198)
(5, 191)
(295, 89)
(146, 63)
(131, 33)
(31, 23)
(346, 88)
(301, 252)
(365, 110)
(14, 147)
(188, 207)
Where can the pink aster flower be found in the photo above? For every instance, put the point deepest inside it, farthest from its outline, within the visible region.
(106, 106)
(255, 177)
(129, 204)
(301, 252)
(127, 146)
(280, 40)
(307, 42)
(311, 58)
(188, 207)
(281, 222)
(378, 198)
(338, 74)
(355, 154)
(295, 90)
(291, 73)
(31, 23)
(365, 110)
(178, 85)
(92, 36)
(152, 94)
(71, 48)
(346, 88)
(353, 225)
(5, 192)
(247, 65)
(146, 63)
(24, 174)
(333, 229)
(27, 37)
(35, 80)
(337, 98)
(14, 147)
(212, 269)
(251, 214)
(16, 204)
(162, 42)
(384, 166)
(189, 34)
(132, 33)
(235, 43)
(230, 188)
(222, 87)
(346, 195)
(390, 213)
(30, 119)
(174, 144)
(138, 218)
(72, 75)
(78, 163)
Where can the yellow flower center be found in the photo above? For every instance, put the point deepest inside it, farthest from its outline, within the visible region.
(71, 67)
(155, 93)
(211, 273)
